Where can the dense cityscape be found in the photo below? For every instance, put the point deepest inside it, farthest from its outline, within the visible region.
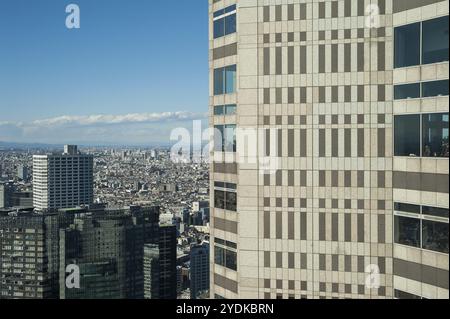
(126, 183)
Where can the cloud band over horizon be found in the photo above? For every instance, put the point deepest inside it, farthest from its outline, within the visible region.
(132, 128)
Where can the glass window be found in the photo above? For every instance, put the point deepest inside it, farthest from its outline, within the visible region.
(435, 135)
(219, 199)
(219, 110)
(230, 109)
(407, 135)
(435, 211)
(230, 24)
(435, 88)
(230, 79)
(230, 259)
(435, 40)
(224, 24)
(219, 256)
(219, 28)
(407, 91)
(409, 208)
(231, 201)
(225, 80)
(407, 45)
(435, 236)
(407, 231)
(398, 294)
(225, 138)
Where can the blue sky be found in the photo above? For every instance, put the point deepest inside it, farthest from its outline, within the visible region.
(139, 57)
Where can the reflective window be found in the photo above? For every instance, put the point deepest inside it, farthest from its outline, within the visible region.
(407, 45)
(225, 138)
(407, 135)
(407, 91)
(435, 135)
(225, 21)
(229, 109)
(225, 80)
(407, 231)
(435, 211)
(407, 50)
(435, 236)
(408, 208)
(225, 254)
(435, 88)
(398, 294)
(225, 198)
(435, 40)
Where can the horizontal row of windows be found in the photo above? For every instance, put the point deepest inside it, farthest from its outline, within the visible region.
(423, 135)
(228, 109)
(417, 226)
(421, 43)
(418, 90)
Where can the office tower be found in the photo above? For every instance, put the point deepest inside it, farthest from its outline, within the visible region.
(22, 172)
(351, 99)
(62, 180)
(108, 247)
(22, 199)
(168, 262)
(151, 271)
(199, 262)
(5, 195)
(29, 255)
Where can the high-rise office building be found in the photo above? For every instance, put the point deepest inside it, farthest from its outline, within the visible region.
(351, 99)
(6, 191)
(168, 262)
(199, 269)
(151, 271)
(22, 172)
(62, 180)
(28, 255)
(108, 247)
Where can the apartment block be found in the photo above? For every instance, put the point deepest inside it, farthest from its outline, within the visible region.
(62, 180)
(351, 98)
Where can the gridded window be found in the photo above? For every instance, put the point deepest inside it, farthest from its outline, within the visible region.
(225, 196)
(225, 138)
(224, 21)
(225, 254)
(435, 40)
(229, 109)
(423, 135)
(421, 226)
(225, 80)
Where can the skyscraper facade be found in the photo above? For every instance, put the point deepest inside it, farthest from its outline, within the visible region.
(168, 262)
(199, 269)
(151, 271)
(62, 180)
(28, 255)
(351, 99)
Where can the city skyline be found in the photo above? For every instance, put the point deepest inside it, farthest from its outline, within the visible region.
(109, 82)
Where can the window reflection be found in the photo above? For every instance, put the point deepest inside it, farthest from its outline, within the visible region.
(435, 135)
(407, 45)
(435, 40)
(407, 231)
(435, 236)
(407, 135)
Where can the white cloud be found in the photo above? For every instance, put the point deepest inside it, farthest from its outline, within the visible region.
(133, 128)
